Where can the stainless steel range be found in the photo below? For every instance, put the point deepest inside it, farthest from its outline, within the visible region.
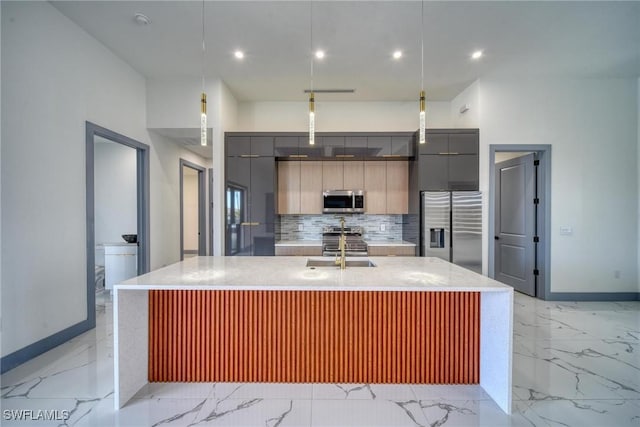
(356, 246)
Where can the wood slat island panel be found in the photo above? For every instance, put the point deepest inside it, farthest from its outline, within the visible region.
(314, 336)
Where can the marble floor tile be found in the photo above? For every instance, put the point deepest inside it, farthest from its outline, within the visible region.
(363, 391)
(596, 413)
(144, 412)
(476, 413)
(270, 390)
(368, 413)
(254, 412)
(450, 392)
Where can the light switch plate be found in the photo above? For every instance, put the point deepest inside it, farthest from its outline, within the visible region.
(300, 227)
(383, 227)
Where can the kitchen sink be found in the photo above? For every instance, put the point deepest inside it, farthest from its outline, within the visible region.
(332, 263)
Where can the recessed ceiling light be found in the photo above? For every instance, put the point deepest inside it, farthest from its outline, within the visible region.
(476, 55)
(319, 54)
(238, 54)
(141, 19)
(397, 54)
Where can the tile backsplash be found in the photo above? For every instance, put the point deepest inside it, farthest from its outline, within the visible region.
(312, 226)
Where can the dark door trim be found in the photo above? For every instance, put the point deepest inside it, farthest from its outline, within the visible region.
(202, 235)
(543, 152)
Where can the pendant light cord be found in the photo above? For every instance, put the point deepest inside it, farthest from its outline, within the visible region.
(203, 45)
(422, 46)
(311, 39)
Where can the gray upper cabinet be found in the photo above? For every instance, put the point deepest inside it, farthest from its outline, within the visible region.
(250, 201)
(331, 146)
(355, 147)
(378, 146)
(449, 160)
(402, 146)
(285, 146)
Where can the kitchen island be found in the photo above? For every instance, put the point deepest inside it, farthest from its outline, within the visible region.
(273, 319)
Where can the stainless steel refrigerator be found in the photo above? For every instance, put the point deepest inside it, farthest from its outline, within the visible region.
(451, 227)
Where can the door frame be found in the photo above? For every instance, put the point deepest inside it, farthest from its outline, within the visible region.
(543, 151)
(202, 228)
(211, 211)
(142, 201)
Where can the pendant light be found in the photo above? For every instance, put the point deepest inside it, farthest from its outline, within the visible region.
(423, 118)
(312, 109)
(203, 98)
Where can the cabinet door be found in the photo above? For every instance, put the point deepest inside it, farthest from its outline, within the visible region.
(289, 187)
(397, 187)
(463, 143)
(355, 147)
(354, 175)
(332, 175)
(261, 193)
(331, 146)
(285, 146)
(311, 187)
(401, 146)
(262, 145)
(436, 143)
(379, 146)
(463, 172)
(375, 186)
(238, 145)
(434, 174)
(263, 242)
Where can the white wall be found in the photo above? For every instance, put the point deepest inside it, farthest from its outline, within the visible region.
(470, 97)
(339, 116)
(115, 189)
(592, 125)
(56, 77)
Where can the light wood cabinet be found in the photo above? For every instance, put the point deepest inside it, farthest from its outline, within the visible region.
(391, 250)
(353, 175)
(289, 187)
(375, 187)
(397, 187)
(332, 175)
(310, 187)
(300, 185)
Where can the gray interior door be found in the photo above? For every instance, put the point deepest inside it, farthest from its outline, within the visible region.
(515, 223)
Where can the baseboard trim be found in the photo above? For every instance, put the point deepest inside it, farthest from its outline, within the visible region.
(593, 296)
(27, 353)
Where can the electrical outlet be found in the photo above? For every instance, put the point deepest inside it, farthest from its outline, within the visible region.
(565, 230)
(383, 227)
(616, 274)
(300, 227)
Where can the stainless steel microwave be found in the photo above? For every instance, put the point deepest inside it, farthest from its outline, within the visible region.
(343, 201)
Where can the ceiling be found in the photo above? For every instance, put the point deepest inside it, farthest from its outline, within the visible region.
(529, 39)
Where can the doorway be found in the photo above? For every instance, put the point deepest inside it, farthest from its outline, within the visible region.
(519, 209)
(192, 210)
(114, 160)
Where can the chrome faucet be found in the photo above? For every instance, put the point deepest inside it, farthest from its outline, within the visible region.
(343, 244)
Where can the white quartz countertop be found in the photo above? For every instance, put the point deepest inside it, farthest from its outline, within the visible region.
(319, 243)
(291, 273)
